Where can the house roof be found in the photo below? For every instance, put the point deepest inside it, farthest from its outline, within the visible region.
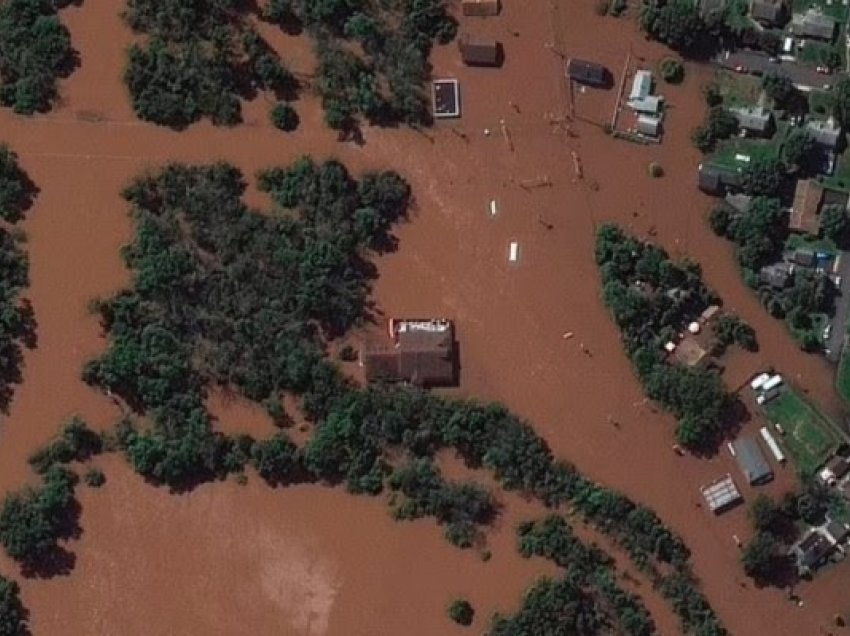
(838, 466)
(824, 132)
(418, 357)
(813, 549)
(739, 202)
(713, 180)
(776, 275)
(641, 85)
(587, 72)
(813, 24)
(752, 117)
(478, 50)
(766, 10)
(480, 7)
(751, 460)
(651, 104)
(690, 353)
(649, 125)
(837, 530)
(804, 257)
(721, 494)
(805, 212)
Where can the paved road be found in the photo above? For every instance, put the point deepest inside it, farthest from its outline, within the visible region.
(759, 63)
(842, 310)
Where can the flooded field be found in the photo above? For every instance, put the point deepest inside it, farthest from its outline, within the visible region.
(308, 561)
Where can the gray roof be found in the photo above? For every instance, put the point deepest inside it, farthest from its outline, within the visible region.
(776, 275)
(813, 549)
(752, 117)
(837, 530)
(751, 461)
(766, 11)
(826, 133)
(739, 202)
(813, 24)
(649, 125)
(804, 257)
(715, 180)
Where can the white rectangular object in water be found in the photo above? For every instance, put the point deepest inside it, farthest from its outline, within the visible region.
(513, 252)
(493, 208)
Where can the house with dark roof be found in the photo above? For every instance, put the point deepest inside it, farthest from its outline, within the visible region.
(589, 73)
(802, 257)
(480, 8)
(754, 120)
(811, 551)
(479, 51)
(814, 25)
(423, 353)
(777, 275)
(751, 461)
(769, 13)
(715, 180)
(837, 531)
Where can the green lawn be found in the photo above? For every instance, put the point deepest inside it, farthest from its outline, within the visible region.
(842, 378)
(808, 436)
(738, 89)
(726, 152)
(820, 104)
(834, 9)
(840, 179)
(800, 241)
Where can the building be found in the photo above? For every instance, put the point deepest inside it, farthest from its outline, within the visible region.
(648, 125)
(837, 532)
(721, 494)
(751, 461)
(641, 98)
(802, 257)
(588, 73)
(811, 551)
(689, 353)
(805, 211)
(714, 180)
(834, 470)
(479, 51)
(739, 202)
(826, 133)
(768, 13)
(480, 8)
(777, 275)
(445, 98)
(423, 353)
(709, 313)
(754, 120)
(814, 25)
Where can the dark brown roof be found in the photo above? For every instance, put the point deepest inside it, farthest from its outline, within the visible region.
(419, 357)
(587, 72)
(480, 51)
(806, 209)
(480, 7)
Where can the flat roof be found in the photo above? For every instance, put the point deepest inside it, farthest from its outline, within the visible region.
(446, 98)
(721, 493)
(751, 460)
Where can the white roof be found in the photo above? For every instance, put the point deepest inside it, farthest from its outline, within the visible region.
(650, 104)
(772, 383)
(641, 85)
(759, 380)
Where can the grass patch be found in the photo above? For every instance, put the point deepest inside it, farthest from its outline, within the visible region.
(842, 378)
(738, 89)
(798, 241)
(840, 179)
(809, 437)
(820, 104)
(727, 150)
(835, 10)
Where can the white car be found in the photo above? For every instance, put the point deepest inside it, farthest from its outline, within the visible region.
(827, 331)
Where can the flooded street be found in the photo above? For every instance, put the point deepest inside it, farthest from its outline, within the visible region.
(308, 561)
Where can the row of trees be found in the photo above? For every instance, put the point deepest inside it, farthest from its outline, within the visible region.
(385, 82)
(35, 50)
(200, 59)
(651, 298)
(17, 320)
(14, 617)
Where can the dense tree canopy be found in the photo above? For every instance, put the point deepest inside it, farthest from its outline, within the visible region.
(16, 190)
(35, 50)
(719, 124)
(201, 57)
(651, 297)
(13, 614)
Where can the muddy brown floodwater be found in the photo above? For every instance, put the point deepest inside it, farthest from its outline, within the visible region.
(307, 561)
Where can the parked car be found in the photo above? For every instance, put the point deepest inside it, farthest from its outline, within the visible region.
(827, 331)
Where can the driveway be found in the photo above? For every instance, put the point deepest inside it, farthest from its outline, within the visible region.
(758, 62)
(842, 309)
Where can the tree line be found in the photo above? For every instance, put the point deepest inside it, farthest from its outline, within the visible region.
(199, 59)
(386, 83)
(652, 298)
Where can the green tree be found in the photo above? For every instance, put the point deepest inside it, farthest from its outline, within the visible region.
(841, 102)
(798, 150)
(762, 557)
(284, 117)
(15, 187)
(13, 614)
(764, 176)
(765, 514)
(779, 88)
(672, 70)
(676, 23)
(461, 612)
(834, 223)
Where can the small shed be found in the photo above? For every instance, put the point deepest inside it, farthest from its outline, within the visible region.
(715, 180)
(649, 125)
(479, 51)
(751, 461)
(446, 98)
(480, 8)
(767, 12)
(589, 73)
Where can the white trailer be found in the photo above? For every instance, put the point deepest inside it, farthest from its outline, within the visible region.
(774, 382)
(772, 445)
